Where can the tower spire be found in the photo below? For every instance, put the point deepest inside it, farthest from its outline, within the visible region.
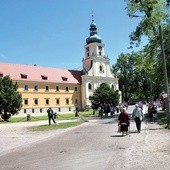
(93, 33)
(92, 17)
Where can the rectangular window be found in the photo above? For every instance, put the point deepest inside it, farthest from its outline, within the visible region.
(59, 109)
(76, 89)
(47, 101)
(26, 87)
(40, 110)
(46, 88)
(67, 89)
(57, 88)
(57, 101)
(26, 101)
(35, 88)
(36, 101)
(69, 109)
(32, 110)
(25, 110)
(67, 101)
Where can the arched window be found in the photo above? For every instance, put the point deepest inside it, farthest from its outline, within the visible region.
(100, 68)
(112, 86)
(89, 86)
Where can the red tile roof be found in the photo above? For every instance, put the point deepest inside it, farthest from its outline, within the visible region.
(35, 73)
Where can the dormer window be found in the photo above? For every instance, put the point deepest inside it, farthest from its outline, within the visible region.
(64, 78)
(23, 76)
(44, 77)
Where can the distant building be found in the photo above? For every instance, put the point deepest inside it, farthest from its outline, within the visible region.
(62, 89)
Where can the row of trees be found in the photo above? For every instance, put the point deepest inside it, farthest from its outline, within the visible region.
(141, 73)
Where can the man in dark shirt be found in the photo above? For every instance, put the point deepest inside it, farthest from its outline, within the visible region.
(50, 115)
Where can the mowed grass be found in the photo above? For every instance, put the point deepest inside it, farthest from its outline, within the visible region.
(66, 116)
(63, 125)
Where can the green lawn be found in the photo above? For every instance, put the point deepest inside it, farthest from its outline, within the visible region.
(56, 126)
(45, 117)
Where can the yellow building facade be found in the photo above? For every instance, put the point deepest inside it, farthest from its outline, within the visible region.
(38, 97)
(43, 87)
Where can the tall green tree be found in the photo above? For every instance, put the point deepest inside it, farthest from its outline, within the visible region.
(10, 98)
(104, 94)
(152, 14)
(129, 76)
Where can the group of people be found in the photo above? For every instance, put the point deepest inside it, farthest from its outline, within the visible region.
(124, 119)
(106, 109)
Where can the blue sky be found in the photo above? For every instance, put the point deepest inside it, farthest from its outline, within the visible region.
(53, 33)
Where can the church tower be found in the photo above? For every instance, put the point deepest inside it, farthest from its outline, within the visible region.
(96, 66)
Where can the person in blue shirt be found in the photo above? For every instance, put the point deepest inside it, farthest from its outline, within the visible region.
(137, 114)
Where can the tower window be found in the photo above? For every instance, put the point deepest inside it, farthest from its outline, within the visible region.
(100, 47)
(89, 86)
(100, 53)
(76, 101)
(87, 49)
(100, 68)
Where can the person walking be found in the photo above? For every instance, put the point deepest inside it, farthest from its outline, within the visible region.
(137, 114)
(50, 115)
(124, 121)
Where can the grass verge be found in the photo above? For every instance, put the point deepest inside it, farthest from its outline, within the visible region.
(14, 119)
(63, 125)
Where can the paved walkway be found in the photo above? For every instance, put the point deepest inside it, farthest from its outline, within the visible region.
(14, 135)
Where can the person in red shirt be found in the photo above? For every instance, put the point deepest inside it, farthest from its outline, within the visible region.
(124, 121)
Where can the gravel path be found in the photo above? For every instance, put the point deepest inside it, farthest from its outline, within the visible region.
(16, 135)
(145, 151)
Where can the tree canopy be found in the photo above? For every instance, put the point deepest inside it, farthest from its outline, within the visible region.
(141, 73)
(10, 98)
(104, 94)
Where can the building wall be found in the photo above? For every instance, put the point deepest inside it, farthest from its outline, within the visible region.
(34, 101)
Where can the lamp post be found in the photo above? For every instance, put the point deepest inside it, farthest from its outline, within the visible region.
(165, 77)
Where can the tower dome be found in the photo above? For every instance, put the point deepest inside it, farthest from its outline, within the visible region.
(93, 34)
